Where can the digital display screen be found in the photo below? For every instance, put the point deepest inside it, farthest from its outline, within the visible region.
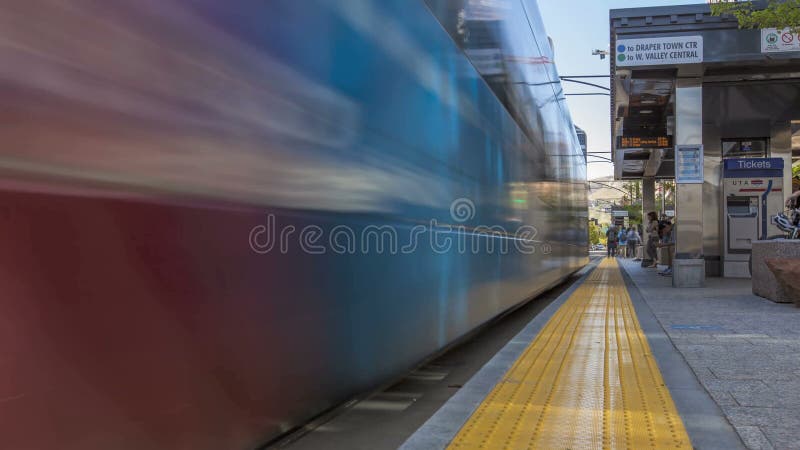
(644, 142)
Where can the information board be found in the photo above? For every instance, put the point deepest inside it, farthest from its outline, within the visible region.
(644, 142)
(689, 164)
(660, 51)
(774, 40)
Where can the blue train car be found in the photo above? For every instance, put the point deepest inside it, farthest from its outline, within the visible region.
(220, 219)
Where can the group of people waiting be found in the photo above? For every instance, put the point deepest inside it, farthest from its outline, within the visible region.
(660, 234)
(622, 243)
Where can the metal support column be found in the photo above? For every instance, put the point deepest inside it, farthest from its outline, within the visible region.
(648, 204)
(689, 264)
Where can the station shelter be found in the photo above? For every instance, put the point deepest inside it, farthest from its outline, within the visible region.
(716, 108)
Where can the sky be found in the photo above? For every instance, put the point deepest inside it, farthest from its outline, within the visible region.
(577, 27)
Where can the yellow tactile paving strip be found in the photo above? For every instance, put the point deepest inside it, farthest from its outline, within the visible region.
(588, 380)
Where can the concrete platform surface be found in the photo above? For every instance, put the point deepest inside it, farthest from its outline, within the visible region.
(744, 349)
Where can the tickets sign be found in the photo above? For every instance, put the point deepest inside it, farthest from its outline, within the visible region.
(659, 51)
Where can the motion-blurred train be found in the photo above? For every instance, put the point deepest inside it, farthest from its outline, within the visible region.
(221, 218)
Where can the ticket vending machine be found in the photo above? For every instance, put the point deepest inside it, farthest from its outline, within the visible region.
(753, 190)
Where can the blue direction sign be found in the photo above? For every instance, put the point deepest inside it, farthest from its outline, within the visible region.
(753, 167)
(754, 164)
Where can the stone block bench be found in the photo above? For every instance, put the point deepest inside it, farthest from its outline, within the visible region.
(776, 270)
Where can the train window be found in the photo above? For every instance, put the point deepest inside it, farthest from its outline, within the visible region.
(496, 37)
(508, 47)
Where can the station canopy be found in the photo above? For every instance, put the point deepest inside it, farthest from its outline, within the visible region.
(654, 47)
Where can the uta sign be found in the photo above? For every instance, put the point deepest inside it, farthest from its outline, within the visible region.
(659, 51)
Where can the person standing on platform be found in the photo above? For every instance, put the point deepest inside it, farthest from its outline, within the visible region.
(792, 201)
(611, 241)
(652, 238)
(633, 242)
(668, 240)
(622, 237)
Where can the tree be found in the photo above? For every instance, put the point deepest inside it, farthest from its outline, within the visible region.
(634, 188)
(795, 176)
(634, 214)
(665, 193)
(595, 233)
(778, 14)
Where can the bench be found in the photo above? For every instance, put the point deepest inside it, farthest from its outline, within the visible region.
(776, 270)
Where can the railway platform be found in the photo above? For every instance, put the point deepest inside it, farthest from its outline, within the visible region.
(594, 371)
(619, 359)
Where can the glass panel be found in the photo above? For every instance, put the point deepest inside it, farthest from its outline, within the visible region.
(738, 205)
(744, 148)
(729, 147)
(507, 45)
